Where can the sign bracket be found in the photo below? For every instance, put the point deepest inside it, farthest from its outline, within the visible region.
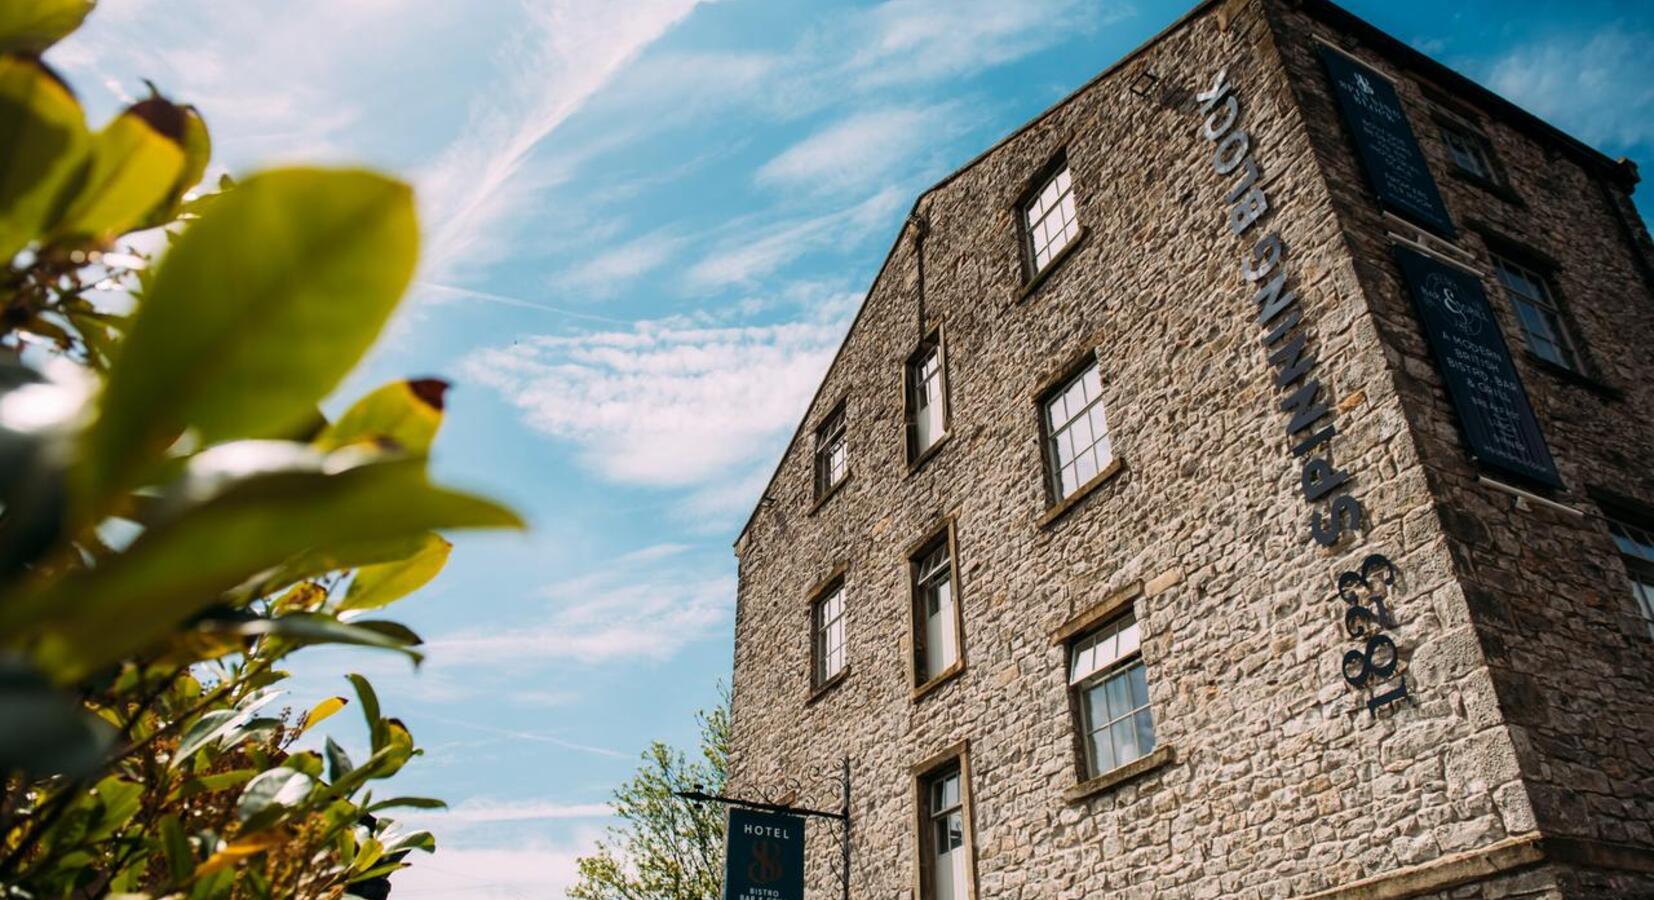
(842, 816)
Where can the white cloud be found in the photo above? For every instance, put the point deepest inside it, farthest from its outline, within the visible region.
(534, 868)
(861, 149)
(1599, 87)
(666, 403)
(272, 84)
(654, 552)
(476, 810)
(905, 41)
(569, 51)
(612, 269)
(760, 249)
(617, 614)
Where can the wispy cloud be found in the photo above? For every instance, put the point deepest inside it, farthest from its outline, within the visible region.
(531, 736)
(758, 249)
(1598, 86)
(481, 809)
(614, 268)
(522, 868)
(568, 52)
(666, 403)
(903, 41)
(862, 149)
(619, 613)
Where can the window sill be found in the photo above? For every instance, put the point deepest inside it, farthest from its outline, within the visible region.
(914, 465)
(1043, 275)
(1573, 377)
(826, 687)
(1492, 187)
(829, 494)
(1158, 758)
(946, 675)
(1061, 509)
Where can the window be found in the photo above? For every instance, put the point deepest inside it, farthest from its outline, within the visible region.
(1111, 686)
(1077, 445)
(927, 400)
(827, 618)
(1538, 312)
(1050, 219)
(1470, 153)
(1636, 546)
(945, 852)
(936, 610)
(832, 453)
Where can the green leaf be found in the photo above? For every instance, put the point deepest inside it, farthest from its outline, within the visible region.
(418, 840)
(366, 855)
(176, 847)
(403, 413)
(42, 138)
(217, 725)
(370, 709)
(44, 731)
(206, 730)
(409, 803)
(318, 562)
(278, 787)
(196, 143)
(118, 801)
(377, 586)
(178, 567)
(128, 171)
(30, 26)
(303, 629)
(338, 761)
(222, 781)
(309, 762)
(257, 312)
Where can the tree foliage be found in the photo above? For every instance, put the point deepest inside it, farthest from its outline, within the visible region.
(177, 517)
(665, 848)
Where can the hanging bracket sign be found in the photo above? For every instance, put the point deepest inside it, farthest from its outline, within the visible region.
(764, 856)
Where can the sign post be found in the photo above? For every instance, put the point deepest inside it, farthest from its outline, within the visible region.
(764, 856)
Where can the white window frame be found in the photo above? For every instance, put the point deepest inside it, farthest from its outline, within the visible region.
(1636, 546)
(832, 456)
(827, 626)
(1108, 656)
(1539, 314)
(946, 822)
(927, 397)
(1074, 414)
(1050, 221)
(936, 631)
(1469, 151)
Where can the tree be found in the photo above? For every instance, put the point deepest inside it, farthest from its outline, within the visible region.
(665, 848)
(176, 515)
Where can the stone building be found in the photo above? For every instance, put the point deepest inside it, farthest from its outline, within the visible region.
(1238, 482)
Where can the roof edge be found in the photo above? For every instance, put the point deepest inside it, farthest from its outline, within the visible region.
(1622, 171)
(1195, 12)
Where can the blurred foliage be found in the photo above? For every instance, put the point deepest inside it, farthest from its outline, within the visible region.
(176, 515)
(665, 848)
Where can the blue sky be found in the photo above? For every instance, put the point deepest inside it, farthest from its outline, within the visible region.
(647, 224)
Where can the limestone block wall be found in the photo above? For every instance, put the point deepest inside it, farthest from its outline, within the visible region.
(1552, 610)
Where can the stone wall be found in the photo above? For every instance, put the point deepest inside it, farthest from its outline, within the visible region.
(1280, 783)
(1571, 657)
